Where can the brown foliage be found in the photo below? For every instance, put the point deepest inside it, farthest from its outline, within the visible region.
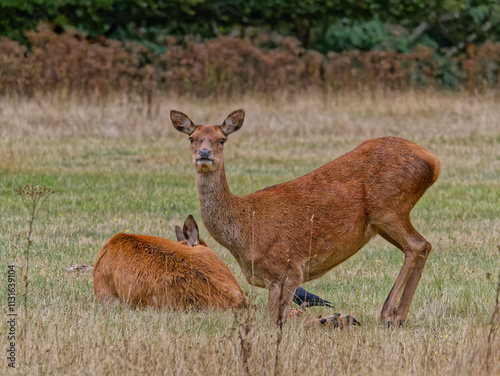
(228, 66)
(70, 63)
(13, 67)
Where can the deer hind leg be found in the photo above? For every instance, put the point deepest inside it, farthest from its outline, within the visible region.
(416, 250)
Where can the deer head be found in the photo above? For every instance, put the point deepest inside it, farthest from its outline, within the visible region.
(207, 142)
(189, 234)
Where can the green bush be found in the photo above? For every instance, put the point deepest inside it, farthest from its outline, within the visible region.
(324, 25)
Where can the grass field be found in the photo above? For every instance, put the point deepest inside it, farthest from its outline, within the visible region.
(115, 170)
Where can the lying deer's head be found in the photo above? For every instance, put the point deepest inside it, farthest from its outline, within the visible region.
(189, 234)
(207, 142)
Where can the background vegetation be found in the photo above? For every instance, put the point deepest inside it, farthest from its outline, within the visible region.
(227, 46)
(70, 64)
(114, 170)
(322, 25)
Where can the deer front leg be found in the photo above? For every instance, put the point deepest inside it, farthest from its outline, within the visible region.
(280, 299)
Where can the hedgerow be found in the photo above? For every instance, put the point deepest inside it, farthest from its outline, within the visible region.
(71, 63)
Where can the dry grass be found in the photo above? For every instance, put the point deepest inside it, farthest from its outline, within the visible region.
(114, 169)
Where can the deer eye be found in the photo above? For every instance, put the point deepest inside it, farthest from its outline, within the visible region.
(223, 141)
(191, 139)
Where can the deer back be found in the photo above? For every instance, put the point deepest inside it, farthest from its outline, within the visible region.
(148, 270)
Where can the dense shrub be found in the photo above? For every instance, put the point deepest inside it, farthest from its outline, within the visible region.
(317, 24)
(226, 66)
(71, 63)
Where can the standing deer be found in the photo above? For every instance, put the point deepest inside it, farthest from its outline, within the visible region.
(144, 270)
(294, 232)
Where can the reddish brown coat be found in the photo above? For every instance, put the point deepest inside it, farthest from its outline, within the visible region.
(297, 231)
(145, 270)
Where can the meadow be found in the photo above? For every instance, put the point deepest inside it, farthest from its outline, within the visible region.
(116, 169)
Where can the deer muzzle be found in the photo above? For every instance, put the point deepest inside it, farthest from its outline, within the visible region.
(204, 157)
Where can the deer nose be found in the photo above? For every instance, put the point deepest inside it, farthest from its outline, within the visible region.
(205, 153)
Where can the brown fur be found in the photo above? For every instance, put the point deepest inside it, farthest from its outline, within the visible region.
(145, 270)
(297, 231)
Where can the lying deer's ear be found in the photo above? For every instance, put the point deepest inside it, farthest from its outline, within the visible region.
(233, 122)
(190, 231)
(178, 234)
(182, 122)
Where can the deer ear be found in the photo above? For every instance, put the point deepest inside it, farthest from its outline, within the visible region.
(182, 122)
(233, 122)
(179, 234)
(190, 231)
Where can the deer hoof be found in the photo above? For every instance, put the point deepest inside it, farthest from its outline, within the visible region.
(394, 323)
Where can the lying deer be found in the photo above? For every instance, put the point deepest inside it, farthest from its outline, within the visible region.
(297, 231)
(145, 270)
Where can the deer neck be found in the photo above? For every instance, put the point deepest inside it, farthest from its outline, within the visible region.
(220, 209)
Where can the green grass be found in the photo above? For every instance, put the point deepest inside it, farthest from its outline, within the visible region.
(115, 170)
